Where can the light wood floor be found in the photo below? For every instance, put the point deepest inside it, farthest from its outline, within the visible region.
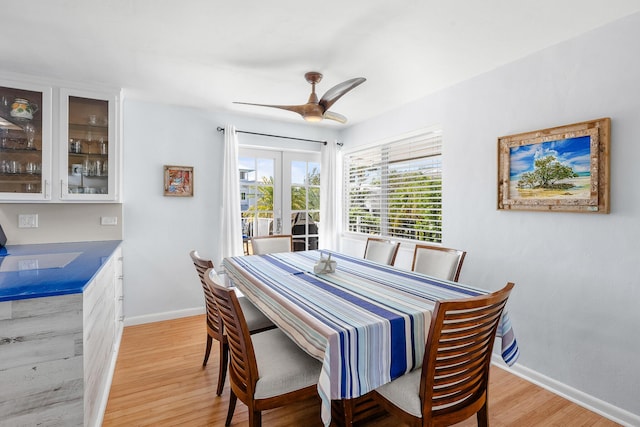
(159, 381)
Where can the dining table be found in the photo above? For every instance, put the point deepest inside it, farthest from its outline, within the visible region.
(367, 322)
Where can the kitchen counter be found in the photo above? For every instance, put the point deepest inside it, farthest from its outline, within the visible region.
(44, 270)
(61, 322)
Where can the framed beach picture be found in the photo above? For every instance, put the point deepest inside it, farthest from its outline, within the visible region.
(565, 168)
(178, 181)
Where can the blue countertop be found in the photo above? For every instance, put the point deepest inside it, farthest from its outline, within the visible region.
(44, 270)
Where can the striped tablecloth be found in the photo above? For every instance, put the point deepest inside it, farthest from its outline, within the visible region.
(366, 322)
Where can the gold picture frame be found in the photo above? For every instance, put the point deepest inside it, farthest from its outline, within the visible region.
(565, 168)
(178, 181)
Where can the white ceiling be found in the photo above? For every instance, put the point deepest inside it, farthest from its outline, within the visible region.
(208, 53)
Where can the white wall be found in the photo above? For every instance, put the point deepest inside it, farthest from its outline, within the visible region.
(574, 307)
(160, 280)
(61, 222)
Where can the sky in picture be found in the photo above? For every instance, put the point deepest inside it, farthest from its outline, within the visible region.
(573, 152)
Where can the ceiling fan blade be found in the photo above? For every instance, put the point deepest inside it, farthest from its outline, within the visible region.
(336, 92)
(295, 108)
(310, 111)
(334, 116)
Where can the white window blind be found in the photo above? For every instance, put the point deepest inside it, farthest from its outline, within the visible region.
(395, 189)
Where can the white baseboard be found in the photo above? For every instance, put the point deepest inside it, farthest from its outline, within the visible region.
(158, 317)
(578, 397)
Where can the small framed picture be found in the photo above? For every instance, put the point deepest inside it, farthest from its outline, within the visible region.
(178, 181)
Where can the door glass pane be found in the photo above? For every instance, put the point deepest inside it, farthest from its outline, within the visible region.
(305, 204)
(265, 170)
(314, 173)
(298, 198)
(20, 141)
(257, 196)
(265, 197)
(88, 146)
(314, 198)
(298, 173)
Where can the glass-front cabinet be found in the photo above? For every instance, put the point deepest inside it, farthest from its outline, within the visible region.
(87, 149)
(25, 144)
(58, 144)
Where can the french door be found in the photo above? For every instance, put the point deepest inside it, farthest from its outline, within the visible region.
(280, 194)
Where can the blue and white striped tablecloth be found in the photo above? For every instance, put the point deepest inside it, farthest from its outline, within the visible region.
(367, 322)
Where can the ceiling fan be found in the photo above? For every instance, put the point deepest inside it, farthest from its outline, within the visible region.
(314, 110)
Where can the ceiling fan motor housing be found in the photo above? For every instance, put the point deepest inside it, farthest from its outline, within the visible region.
(313, 77)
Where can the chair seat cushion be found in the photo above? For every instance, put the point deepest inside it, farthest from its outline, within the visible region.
(282, 365)
(404, 392)
(256, 320)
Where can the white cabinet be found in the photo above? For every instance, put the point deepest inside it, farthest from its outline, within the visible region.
(119, 293)
(87, 149)
(25, 141)
(59, 143)
(102, 330)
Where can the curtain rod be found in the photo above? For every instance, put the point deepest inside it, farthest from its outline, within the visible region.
(221, 129)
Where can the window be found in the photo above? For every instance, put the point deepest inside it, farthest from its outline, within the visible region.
(395, 189)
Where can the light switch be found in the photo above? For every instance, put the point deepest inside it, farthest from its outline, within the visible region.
(108, 220)
(28, 221)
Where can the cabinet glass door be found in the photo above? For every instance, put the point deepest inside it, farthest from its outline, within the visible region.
(88, 159)
(25, 146)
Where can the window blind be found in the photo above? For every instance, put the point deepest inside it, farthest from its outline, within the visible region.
(395, 189)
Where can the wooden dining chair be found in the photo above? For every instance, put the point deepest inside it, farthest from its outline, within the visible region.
(438, 261)
(262, 245)
(256, 321)
(380, 250)
(266, 370)
(452, 384)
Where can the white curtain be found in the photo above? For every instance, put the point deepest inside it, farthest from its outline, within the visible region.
(330, 187)
(231, 233)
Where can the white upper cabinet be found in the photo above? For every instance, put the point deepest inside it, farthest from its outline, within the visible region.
(59, 143)
(88, 167)
(25, 141)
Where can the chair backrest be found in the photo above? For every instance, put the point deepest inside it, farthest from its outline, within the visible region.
(437, 261)
(455, 369)
(243, 368)
(271, 244)
(381, 250)
(214, 327)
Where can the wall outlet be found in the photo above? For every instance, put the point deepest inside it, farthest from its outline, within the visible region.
(28, 221)
(108, 220)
